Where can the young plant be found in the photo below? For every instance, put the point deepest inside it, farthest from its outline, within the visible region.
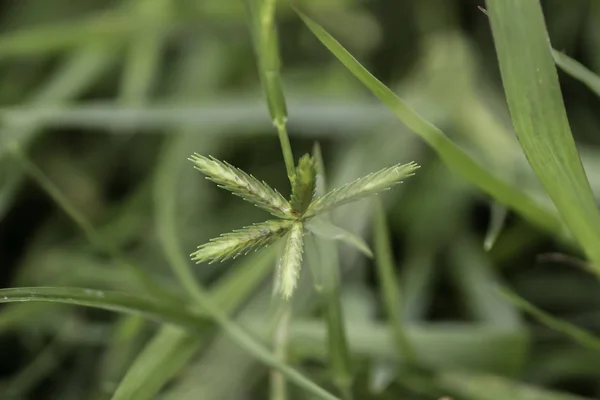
(293, 216)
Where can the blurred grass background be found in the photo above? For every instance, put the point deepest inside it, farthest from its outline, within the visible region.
(109, 98)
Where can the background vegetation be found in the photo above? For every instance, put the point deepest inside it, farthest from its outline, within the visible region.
(104, 101)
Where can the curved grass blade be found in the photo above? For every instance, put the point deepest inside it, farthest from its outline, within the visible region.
(390, 287)
(497, 221)
(327, 230)
(539, 117)
(119, 302)
(106, 300)
(168, 351)
(577, 71)
(454, 157)
(471, 386)
(578, 335)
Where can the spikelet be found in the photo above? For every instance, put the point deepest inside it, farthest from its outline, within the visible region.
(363, 187)
(243, 185)
(290, 263)
(303, 184)
(242, 241)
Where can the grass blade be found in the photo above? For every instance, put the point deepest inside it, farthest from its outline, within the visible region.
(326, 268)
(451, 154)
(119, 302)
(489, 387)
(577, 71)
(536, 106)
(166, 353)
(390, 289)
(578, 335)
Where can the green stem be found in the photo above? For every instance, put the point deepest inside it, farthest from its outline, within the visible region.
(390, 288)
(286, 148)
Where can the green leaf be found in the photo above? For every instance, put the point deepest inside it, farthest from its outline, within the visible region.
(119, 302)
(303, 184)
(327, 230)
(471, 386)
(167, 352)
(536, 107)
(390, 292)
(106, 300)
(497, 220)
(243, 185)
(242, 241)
(450, 153)
(362, 187)
(578, 335)
(326, 269)
(577, 71)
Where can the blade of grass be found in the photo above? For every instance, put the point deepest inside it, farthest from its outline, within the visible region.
(390, 289)
(536, 106)
(330, 284)
(476, 279)
(577, 71)
(440, 346)
(165, 354)
(105, 27)
(471, 386)
(144, 53)
(451, 154)
(497, 220)
(165, 312)
(578, 335)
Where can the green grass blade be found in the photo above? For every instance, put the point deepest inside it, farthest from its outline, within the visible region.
(451, 154)
(164, 312)
(489, 387)
(327, 272)
(390, 289)
(166, 353)
(536, 106)
(497, 220)
(577, 71)
(106, 300)
(578, 335)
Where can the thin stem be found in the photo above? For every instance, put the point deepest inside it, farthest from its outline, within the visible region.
(286, 148)
(329, 278)
(281, 336)
(390, 288)
(93, 236)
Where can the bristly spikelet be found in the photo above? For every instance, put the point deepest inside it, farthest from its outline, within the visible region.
(289, 266)
(303, 184)
(363, 187)
(232, 244)
(243, 185)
